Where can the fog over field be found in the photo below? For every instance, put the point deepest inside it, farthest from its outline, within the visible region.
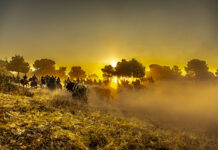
(188, 105)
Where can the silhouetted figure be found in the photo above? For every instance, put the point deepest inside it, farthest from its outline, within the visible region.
(17, 80)
(66, 82)
(58, 83)
(78, 90)
(43, 82)
(24, 81)
(33, 81)
(25, 77)
(47, 79)
(51, 83)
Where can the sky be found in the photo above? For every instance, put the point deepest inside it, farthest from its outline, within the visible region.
(92, 33)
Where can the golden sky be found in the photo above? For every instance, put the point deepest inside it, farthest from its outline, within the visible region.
(92, 33)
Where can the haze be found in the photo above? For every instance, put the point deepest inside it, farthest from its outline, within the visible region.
(94, 33)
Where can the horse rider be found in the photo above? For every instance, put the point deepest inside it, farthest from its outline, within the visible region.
(18, 78)
(43, 82)
(58, 81)
(34, 78)
(25, 76)
(33, 81)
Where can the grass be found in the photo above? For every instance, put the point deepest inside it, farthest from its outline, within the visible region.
(52, 121)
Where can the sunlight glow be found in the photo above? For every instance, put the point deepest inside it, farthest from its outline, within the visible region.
(113, 64)
(130, 79)
(114, 83)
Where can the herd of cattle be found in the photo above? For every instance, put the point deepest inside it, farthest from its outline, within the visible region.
(78, 90)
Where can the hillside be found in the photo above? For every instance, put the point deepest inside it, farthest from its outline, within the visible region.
(38, 122)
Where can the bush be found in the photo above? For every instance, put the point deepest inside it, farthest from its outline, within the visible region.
(6, 86)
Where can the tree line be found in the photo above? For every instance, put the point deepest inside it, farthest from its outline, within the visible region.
(195, 69)
(42, 67)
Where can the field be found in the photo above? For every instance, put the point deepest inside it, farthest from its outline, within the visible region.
(54, 121)
(108, 75)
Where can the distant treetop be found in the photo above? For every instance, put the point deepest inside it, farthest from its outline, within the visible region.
(44, 67)
(18, 64)
(131, 68)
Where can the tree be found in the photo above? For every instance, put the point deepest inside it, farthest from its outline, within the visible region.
(176, 72)
(216, 72)
(44, 67)
(131, 68)
(3, 67)
(125, 68)
(18, 64)
(198, 69)
(108, 71)
(61, 72)
(158, 72)
(76, 72)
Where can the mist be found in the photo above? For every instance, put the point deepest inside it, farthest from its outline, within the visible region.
(187, 105)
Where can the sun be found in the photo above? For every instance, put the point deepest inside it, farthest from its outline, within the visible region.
(113, 64)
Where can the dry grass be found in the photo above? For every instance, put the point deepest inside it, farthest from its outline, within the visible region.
(55, 121)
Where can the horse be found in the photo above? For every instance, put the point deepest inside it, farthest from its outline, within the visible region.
(58, 83)
(58, 86)
(66, 82)
(43, 82)
(33, 82)
(24, 82)
(17, 79)
(79, 91)
(51, 83)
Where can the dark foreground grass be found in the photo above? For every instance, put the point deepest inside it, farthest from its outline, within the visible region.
(44, 122)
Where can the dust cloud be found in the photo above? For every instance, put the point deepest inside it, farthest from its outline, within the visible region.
(189, 105)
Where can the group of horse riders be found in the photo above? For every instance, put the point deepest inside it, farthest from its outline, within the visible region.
(25, 82)
(48, 81)
(51, 82)
(77, 89)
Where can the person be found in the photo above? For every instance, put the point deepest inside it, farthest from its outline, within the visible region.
(33, 81)
(25, 77)
(24, 81)
(42, 81)
(51, 83)
(17, 78)
(47, 79)
(66, 82)
(78, 90)
(34, 78)
(58, 81)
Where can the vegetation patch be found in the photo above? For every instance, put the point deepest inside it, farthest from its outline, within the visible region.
(33, 123)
